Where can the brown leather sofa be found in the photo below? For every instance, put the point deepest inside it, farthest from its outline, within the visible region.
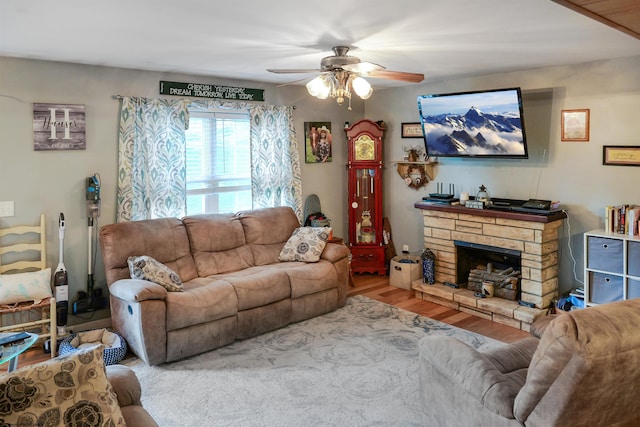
(234, 285)
(583, 371)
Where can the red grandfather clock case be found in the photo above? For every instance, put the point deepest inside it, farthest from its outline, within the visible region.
(366, 242)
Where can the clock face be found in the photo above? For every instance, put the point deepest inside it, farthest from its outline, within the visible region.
(364, 148)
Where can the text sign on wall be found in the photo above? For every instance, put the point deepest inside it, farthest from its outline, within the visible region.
(59, 127)
(211, 91)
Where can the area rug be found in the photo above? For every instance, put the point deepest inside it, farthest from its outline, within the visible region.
(357, 366)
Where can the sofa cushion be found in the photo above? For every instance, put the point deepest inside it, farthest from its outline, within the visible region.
(308, 279)
(258, 286)
(164, 239)
(305, 244)
(267, 230)
(146, 268)
(203, 300)
(470, 372)
(217, 243)
(60, 392)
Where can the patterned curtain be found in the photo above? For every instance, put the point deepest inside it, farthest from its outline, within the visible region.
(275, 162)
(151, 159)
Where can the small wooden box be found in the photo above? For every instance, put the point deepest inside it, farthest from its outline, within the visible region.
(403, 273)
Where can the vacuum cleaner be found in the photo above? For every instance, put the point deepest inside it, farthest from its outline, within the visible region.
(61, 283)
(93, 298)
(61, 293)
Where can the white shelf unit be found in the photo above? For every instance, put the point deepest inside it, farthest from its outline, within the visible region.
(612, 267)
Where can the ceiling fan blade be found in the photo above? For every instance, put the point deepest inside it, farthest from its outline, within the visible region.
(292, 70)
(396, 75)
(363, 67)
(293, 82)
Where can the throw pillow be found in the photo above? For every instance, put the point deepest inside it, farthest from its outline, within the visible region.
(305, 244)
(146, 268)
(69, 390)
(20, 287)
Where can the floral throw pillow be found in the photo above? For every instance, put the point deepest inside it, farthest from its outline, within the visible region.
(146, 268)
(70, 390)
(305, 244)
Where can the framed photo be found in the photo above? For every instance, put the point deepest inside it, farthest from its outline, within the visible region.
(621, 155)
(318, 142)
(575, 125)
(59, 127)
(411, 130)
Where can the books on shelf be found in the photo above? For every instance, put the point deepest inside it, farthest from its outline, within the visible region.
(622, 219)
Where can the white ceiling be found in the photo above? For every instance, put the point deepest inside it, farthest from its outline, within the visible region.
(241, 39)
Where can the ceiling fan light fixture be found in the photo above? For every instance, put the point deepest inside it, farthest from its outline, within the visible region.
(343, 73)
(339, 84)
(362, 88)
(317, 87)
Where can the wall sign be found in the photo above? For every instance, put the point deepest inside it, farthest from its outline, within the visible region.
(411, 130)
(59, 127)
(621, 155)
(200, 90)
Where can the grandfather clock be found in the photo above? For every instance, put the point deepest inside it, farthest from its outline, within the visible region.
(364, 141)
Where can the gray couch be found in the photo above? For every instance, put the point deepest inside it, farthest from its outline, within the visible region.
(583, 371)
(234, 285)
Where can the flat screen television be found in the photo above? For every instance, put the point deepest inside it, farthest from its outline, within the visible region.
(477, 124)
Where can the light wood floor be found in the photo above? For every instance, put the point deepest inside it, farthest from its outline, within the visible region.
(378, 288)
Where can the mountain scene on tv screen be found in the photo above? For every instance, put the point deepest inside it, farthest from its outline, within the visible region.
(474, 133)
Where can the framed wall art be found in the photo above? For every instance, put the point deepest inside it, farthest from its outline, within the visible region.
(621, 155)
(59, 127)
(411, 130)
(318, 142)
(575, 125)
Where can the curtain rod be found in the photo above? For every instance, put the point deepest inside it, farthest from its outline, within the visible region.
(120, 97)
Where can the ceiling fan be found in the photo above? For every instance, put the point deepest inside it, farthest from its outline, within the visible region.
(341, 72)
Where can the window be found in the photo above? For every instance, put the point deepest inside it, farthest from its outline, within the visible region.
(218, 162)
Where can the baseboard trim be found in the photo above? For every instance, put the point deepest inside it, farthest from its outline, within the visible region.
(95, 324)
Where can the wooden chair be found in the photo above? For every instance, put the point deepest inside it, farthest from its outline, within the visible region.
(25, 249)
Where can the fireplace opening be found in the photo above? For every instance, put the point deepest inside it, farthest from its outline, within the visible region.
(503, 267)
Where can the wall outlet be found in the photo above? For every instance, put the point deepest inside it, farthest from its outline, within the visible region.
(6, 209)
(405, 248)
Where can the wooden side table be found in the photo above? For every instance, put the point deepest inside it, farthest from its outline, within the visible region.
(341, 241)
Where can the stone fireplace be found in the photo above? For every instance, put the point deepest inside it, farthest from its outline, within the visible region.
(450, 231)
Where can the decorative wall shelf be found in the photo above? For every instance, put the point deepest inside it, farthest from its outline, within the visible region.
(415, 174)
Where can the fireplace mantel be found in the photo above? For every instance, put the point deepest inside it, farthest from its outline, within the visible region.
(494, 213)
(535, 236)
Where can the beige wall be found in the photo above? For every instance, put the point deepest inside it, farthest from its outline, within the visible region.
(53, 182)
(571, 172)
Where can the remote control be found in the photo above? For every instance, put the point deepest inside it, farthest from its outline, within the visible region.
(451, 285)
(526, 304)
(14, 338)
